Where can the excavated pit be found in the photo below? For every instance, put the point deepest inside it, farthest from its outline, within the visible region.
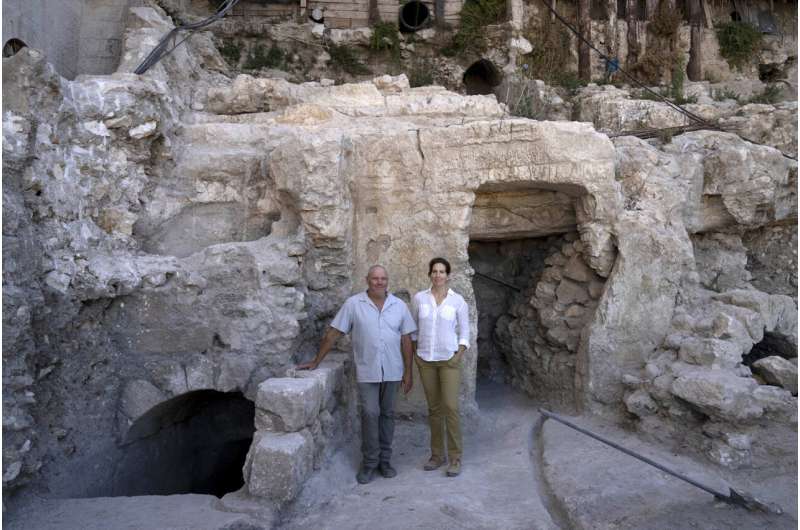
(193, 443)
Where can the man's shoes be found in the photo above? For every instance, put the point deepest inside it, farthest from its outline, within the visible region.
(435, 462)
(365, 475)
(387, 470)
(454, 469)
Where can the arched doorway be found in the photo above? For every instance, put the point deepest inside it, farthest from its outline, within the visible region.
(194, 443)
(12, 47)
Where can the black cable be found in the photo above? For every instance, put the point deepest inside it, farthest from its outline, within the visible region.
(675, 106)
(161, 50)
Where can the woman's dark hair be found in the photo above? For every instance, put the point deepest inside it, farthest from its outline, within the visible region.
(443, 261)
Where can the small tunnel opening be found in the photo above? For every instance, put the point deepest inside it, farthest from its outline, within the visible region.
(481, 78)
(12, 47)
(193, 443)
(414, 15)
(534, 292)
(772, 345)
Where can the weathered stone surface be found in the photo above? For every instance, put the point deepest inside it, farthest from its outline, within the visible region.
(778, 371)
(290, 403)
(278, 465)
(138, 397)
(719, 394)
(330, 374)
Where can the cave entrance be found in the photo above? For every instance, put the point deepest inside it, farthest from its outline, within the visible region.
(534, 292)
(194, 443)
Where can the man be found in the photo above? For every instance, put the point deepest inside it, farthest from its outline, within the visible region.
(380, 325)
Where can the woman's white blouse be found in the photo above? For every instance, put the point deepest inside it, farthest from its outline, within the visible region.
(436, 335)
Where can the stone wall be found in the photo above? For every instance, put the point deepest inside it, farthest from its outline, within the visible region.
(183, 231)
(78, 36)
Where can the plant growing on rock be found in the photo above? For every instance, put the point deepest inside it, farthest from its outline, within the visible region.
(385, 37)
(231, 52)
(345, 59)
(739, 42)
(260, 58)
(475, 14)
(421, 73)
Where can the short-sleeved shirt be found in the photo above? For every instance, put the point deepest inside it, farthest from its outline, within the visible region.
(375, 336)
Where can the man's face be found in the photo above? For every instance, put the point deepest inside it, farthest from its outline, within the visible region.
(377, 281)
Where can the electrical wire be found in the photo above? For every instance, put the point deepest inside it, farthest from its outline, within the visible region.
(690, 115)
(163, 49)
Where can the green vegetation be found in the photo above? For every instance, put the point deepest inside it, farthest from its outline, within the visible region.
(739, 42)
(666, 21)
(421, 73)
(770, 95)
(551, 45)
(344, 58)
(475, 15)
(386, 37)
(722, 95)
(231, 52)
(260, 58)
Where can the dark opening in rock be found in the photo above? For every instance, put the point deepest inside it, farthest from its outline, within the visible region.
(12, 47)
(735, 16)
(414, 15)
(771, 344)
(482, 77)
(770, 73)
(193, 443)
(504, 270)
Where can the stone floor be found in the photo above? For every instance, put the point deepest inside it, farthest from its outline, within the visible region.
(518, 474)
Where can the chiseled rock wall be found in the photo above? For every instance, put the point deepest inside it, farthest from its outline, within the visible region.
(180, 231)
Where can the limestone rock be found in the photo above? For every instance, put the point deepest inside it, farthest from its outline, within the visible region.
(719, 394)
(278, 465)
(330, 374)
(288, 404)
(778, 371)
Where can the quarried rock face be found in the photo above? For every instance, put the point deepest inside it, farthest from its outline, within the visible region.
(180, 232)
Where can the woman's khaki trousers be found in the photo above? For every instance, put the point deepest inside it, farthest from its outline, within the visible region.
(441, 380)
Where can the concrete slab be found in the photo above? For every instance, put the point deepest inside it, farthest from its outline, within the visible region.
(598, 487)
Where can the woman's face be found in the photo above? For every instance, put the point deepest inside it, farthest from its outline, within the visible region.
(438, 275)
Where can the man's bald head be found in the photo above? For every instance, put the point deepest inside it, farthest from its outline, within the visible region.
(377, 281)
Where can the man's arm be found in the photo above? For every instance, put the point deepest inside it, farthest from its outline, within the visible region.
(331, 336)
(408, 374)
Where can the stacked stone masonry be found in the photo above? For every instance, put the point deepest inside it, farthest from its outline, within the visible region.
(298, 422)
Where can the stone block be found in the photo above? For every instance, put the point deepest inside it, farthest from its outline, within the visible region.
(778, 371)
(287, 404)
(279, 465)
(330, 375)
(719, 393)
(569, 292)
(711, 352)
(577, 270)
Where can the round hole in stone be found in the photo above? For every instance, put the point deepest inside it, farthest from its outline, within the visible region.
(413, 16)
(12, 47)
(194, 443)
(481, 77)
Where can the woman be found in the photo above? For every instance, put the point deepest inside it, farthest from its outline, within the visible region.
(439, 349)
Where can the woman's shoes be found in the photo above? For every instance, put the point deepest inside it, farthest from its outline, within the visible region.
(435, 462)
(454, 469)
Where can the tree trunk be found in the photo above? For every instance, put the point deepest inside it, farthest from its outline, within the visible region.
(633, 34)
(585, 29)
(694, 70)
